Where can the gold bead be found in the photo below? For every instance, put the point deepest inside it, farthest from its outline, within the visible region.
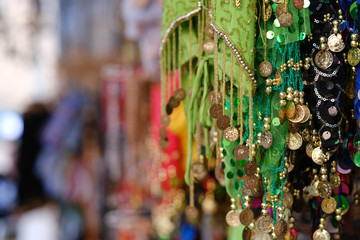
(268, 89)
(268, 82)
(323, 39)
(282, 103)
(338, 218)
(282, 95)
(289, 90)
(323, 46)
(353, 44)
(290, 97)
(296, 100)
(266, 127)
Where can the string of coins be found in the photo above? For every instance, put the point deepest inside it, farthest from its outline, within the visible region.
(278, 143)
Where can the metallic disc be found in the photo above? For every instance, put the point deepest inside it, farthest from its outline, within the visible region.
(265, 68)
(199, 171)
(353, 56)
(216, 110)
(298, 4)
(324, 189)
(313, 188)
(231, 134)
(288, 200)
(258, 191)
(294, 141)
(335, 180)
(247, 234)
(214, 97)
(307, 114)
(173, 102)
(165, 120)
(317, 156)
(324, 59)
(162, 132)
(250, 168)
(335, 43)
(191, 213)
(266, 139)
(168, 109)
(223, 122)
(232, 218)
(321, 234)
(282, 115)
(251, 181)
(280, 9)
(209, 31)
(299, 114)
(286, 19)
(208, 46)
(180, 94)
(281, 228)
(309, 149)
(164, 143)
(265, 224)
(241, 152)
(246, 217)
(290, 111)
(328, 205)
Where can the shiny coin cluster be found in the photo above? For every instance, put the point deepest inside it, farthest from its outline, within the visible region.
(174, 101)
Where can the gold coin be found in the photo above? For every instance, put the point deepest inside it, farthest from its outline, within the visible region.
(324, 189)
(266, 139)
(313, 188)
(321, 234)
(317, 156)
(216, 110)
(223, 122)
(290, 111)
(162, 132)
(307, 114)
(288, 200)
(335, 43)
(214, 97)
(309, 149)
(250, 168)
(281, 228)
(286, 19)
(328, 205)
(282, 115)
(246, 217)
(267, 13)
(180, 94)
(294, 141)
(265, 224)
(335, 180)
(265, 68)
(247, 233)
(191, 212)
(208, 46)
(164, 143)
(299, 114)
(280, 9)
(251, 181)
(209, 31)
(173, 103)
(199, 171)
(298, 4)
(353, 56)
(231, 134)
(241, 152)
(324, 59)
(258, 191)
(165, 120)
(232, 218)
